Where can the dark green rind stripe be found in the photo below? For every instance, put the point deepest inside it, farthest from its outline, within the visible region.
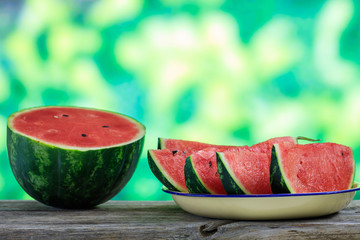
(69, 178)
(158, 173)
(160, 143)
(192, 181)
(277, 181)
(230, 186)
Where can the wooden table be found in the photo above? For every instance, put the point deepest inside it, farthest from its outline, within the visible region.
(161, 220)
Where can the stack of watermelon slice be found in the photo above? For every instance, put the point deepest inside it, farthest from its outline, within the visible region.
(278, 165)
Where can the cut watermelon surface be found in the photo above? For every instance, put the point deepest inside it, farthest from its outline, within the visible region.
(73, 157)
(316, 167)
(266, 146)
(76, 128)
(189, 147)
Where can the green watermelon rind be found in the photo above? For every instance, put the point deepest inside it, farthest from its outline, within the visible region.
(227, 176)
(161, 175)
(192, 180)
(161, 143)
(278, 183)
(71, 178)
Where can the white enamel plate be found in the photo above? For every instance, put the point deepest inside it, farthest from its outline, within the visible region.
(264, 207)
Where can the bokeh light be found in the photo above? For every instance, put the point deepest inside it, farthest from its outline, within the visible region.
(219, 71)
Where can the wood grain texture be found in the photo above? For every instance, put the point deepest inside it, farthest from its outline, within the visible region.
(161, 220)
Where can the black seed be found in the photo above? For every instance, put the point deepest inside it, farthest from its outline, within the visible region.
(65, 115)
(210, 163)
(105, 126)
(342, 154)
(174, 152)
(83, 135)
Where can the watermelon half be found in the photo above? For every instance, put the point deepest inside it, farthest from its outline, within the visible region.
(316, 167)
(72, 157)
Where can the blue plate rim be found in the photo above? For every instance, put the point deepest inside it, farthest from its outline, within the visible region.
(357, 188)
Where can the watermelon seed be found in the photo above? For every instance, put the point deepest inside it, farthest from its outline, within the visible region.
(210, 163)
(105, 126)
(174, 152)
(65, 115)
(83, 135)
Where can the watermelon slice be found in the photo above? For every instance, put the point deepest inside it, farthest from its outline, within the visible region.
(166, 166)
(201, 173)
(73, 157)
(316, 167)
(244, 172)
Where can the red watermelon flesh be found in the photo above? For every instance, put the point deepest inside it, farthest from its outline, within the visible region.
(266, 146)
(89, 128)
(250, 170)
(189, 147)
(317, 167)
(171, 165)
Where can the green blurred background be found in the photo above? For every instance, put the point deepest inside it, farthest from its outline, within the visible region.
(218, 71)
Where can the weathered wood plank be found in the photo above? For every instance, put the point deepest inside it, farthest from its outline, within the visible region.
(161, 220)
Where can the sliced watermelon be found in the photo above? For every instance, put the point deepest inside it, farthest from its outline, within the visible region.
(172, 175)
(201, 173)
(73, 157)
(168, 167)
(244, 172)
(316, 167)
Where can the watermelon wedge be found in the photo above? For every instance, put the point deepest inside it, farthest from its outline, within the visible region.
(315, 167)
(166, 166)
(201, 173)
(72, 157)
(244, 172)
